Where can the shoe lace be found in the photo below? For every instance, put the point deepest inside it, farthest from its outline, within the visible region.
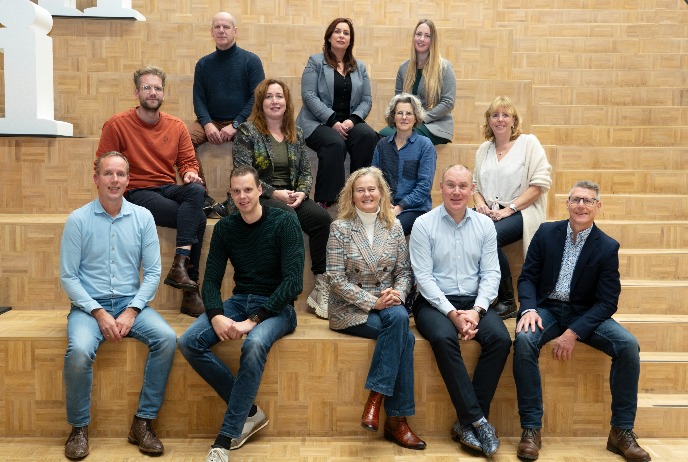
(627, 435)
(217, 455)
(529, 433)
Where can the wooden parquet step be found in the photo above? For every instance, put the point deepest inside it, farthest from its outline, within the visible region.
(660, 235)
(312, 386)
(602, 13)
(595, 61)
(652, 264)
(365, 448)
(595, 114)
(610, 135)
(653, 297)
(659, 379)
(657, 333)
(625, 181)
(641, 207)
(606, 96)
(560, 42)
(632, 158)
(611, 78)
(630, 32)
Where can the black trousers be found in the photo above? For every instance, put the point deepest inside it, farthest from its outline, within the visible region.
(315, 222)
(331, 149)
(179, 207)
(471, 399)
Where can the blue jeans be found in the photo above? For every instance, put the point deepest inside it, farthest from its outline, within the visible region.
(609, 337)
(391, 369)
(238, 392)
(85, 338)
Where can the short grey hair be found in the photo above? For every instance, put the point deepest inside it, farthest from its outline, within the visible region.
(587, 184)
(418, 110)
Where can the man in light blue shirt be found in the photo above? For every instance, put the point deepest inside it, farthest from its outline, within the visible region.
(105, 244)
(454, 259)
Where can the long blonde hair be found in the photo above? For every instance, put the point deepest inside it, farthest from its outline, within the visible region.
(433, 71)
(347, 209)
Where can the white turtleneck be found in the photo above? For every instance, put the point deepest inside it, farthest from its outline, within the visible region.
(368, 220)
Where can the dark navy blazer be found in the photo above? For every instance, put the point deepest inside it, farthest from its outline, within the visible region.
(595, 285)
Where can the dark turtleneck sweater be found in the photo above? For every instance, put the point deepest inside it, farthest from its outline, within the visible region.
(224, 82)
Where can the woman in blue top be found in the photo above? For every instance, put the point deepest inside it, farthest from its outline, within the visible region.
(407, 160)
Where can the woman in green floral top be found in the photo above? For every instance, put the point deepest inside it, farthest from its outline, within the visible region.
(271, 142)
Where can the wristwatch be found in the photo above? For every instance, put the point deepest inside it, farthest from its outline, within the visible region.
(254, 317)
(513, 207)
(235, 124)
(481, 311)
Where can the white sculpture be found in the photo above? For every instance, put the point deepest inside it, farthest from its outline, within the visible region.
(29, 104)
(103, 9)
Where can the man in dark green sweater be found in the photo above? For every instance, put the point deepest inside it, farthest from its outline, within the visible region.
(265, 247)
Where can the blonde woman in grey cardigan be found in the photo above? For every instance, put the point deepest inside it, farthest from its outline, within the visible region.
(431, 78)
(512, 177)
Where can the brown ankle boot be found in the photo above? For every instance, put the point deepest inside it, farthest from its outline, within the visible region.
(622, 441)
(143, 435)
(530, 444)
(76, 446)
(398, 431)
(192, 303)
(178, 276)
(370, 420)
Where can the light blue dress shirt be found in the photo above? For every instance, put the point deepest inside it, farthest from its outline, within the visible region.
(455, 259)
(101, 257)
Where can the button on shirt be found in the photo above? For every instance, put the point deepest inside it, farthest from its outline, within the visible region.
(101, 256)
(562, 291)
(455, 259)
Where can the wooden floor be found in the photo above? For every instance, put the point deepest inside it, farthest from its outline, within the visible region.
(371, 449)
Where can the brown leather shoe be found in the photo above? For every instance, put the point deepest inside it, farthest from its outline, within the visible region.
(76, 446)
(178, 276)
(143, 435)
(622, 441)
(192, 303)
(370, 420)
(398, 431)
(530, 444)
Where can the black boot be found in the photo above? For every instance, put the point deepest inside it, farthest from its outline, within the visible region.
(506, 305)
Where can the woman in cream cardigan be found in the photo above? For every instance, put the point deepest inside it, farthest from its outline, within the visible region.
(512, 177)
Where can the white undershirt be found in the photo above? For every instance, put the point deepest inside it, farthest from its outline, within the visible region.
(368, 220)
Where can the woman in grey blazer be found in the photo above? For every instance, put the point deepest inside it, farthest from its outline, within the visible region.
(431, 78)
(336, 101)
(369, 272)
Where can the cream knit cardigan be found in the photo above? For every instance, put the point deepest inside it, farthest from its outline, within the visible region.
(536, 173)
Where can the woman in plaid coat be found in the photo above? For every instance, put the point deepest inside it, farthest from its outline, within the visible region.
(369, 273)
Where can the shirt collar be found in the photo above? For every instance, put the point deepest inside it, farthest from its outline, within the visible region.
(124, 210)
(582, 235)
(470, 213)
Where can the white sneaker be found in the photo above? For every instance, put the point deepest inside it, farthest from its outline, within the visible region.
(217, 455)
(251, 427)
(319, 296)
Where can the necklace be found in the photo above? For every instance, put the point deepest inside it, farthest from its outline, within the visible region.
(504, 150)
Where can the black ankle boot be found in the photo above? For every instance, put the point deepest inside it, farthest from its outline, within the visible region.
(506, 305)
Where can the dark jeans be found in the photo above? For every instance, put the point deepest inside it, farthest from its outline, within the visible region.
(391, 369)
(509, 230)
(315, 222)
(407, 219)
(179, 207)
(331, 149)
(471, 399)
(609, 337)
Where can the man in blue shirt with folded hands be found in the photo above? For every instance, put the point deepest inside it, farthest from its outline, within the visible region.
(105, 244)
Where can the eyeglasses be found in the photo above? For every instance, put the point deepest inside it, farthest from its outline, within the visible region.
(148, 88)
(407, 114)
(422, 35)
(588, 201)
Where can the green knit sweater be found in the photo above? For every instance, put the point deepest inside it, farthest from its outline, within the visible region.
(267, 257)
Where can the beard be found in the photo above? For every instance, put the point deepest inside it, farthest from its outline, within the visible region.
(150, 105)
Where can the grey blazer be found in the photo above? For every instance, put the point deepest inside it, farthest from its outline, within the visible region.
(317, 92)
(439, 119)
(357, 271)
